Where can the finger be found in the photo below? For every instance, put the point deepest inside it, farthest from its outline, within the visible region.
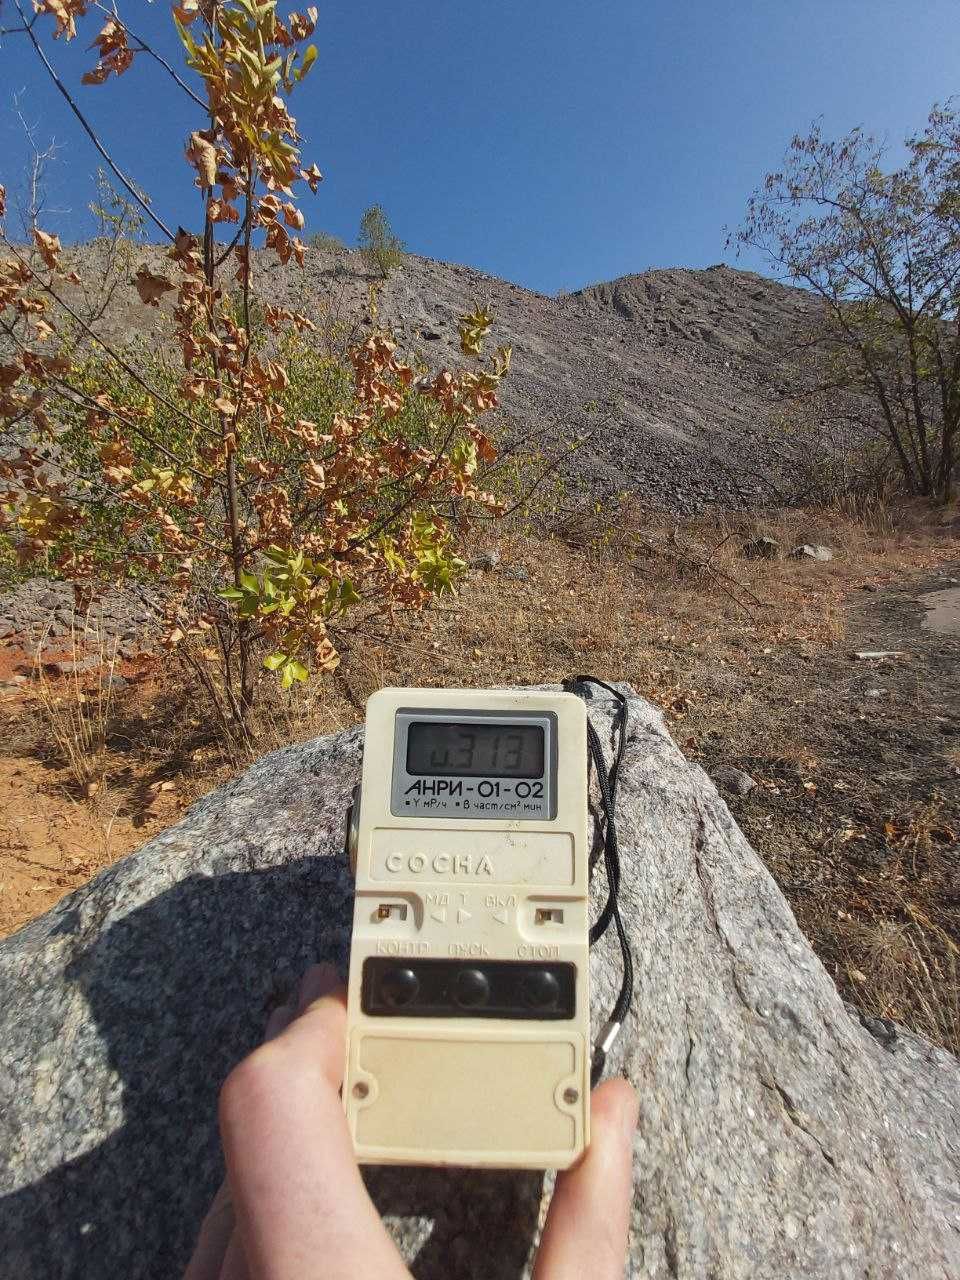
(302, 1209)
(586, 1229)
(279, 1020)
(318, 981)
(235, 1262)
(210, 1255)
(215, 1233)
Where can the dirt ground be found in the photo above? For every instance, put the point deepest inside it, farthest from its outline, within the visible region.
(856, 807)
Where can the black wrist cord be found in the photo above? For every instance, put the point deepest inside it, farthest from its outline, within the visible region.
(605, 842)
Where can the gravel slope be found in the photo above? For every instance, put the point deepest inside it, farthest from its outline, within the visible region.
(695, 363)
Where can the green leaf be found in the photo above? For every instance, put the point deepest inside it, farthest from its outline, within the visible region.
(186, 38)
(231, 593)
(274, 661)
(309, 58)
(286, 676)
(348, 592)
(298, 671)
(249, 582)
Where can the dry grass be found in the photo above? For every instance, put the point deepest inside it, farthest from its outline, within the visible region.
(77, 703)
(726, 647)
(906, 962)
(907, 969)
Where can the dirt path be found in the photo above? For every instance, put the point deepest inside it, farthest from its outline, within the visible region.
(857, 807)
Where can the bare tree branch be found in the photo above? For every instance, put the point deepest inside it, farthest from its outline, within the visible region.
(88, 129)
(143, 47)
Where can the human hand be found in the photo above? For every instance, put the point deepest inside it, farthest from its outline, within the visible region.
(294, 1206)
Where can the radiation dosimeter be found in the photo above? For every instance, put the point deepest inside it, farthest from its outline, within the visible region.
(468, 998)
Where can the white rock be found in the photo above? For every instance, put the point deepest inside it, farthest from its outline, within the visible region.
(811, 551)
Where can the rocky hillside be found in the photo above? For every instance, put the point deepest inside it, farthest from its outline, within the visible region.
(693, 364)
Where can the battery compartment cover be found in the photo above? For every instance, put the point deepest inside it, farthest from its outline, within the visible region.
(449, 1099)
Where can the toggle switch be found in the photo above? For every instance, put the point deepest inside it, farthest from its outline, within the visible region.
(548, 915)
(391, 910)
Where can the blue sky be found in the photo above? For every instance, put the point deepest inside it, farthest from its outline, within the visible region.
(552, 142)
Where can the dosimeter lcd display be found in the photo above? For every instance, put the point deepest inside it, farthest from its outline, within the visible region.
(475, 750)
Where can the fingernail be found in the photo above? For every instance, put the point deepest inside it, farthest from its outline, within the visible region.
(279, 1020)
(318, 981)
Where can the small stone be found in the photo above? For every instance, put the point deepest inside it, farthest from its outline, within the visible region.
(72, 666)
(869, 655)
(763, 548)
(487, 562)
(882, 1029)
(735, 780)
(811, 551)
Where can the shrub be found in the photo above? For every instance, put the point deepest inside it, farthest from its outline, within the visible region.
(325, 242)
(266, 488)
(381, 249)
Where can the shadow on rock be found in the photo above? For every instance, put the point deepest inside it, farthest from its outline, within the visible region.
(176, 993)
(467, 1223)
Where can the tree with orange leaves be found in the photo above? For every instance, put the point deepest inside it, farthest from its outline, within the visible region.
(262, 526)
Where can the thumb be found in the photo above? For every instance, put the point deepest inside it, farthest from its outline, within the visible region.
(586, 1229)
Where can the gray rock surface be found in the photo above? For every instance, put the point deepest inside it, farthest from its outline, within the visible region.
(43, 612)
(780, 1136)
(488, 561)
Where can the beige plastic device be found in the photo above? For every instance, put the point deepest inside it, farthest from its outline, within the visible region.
(468, 1007)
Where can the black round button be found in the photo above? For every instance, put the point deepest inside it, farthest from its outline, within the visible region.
(399, 987)
(471, 989)
(540, 990)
